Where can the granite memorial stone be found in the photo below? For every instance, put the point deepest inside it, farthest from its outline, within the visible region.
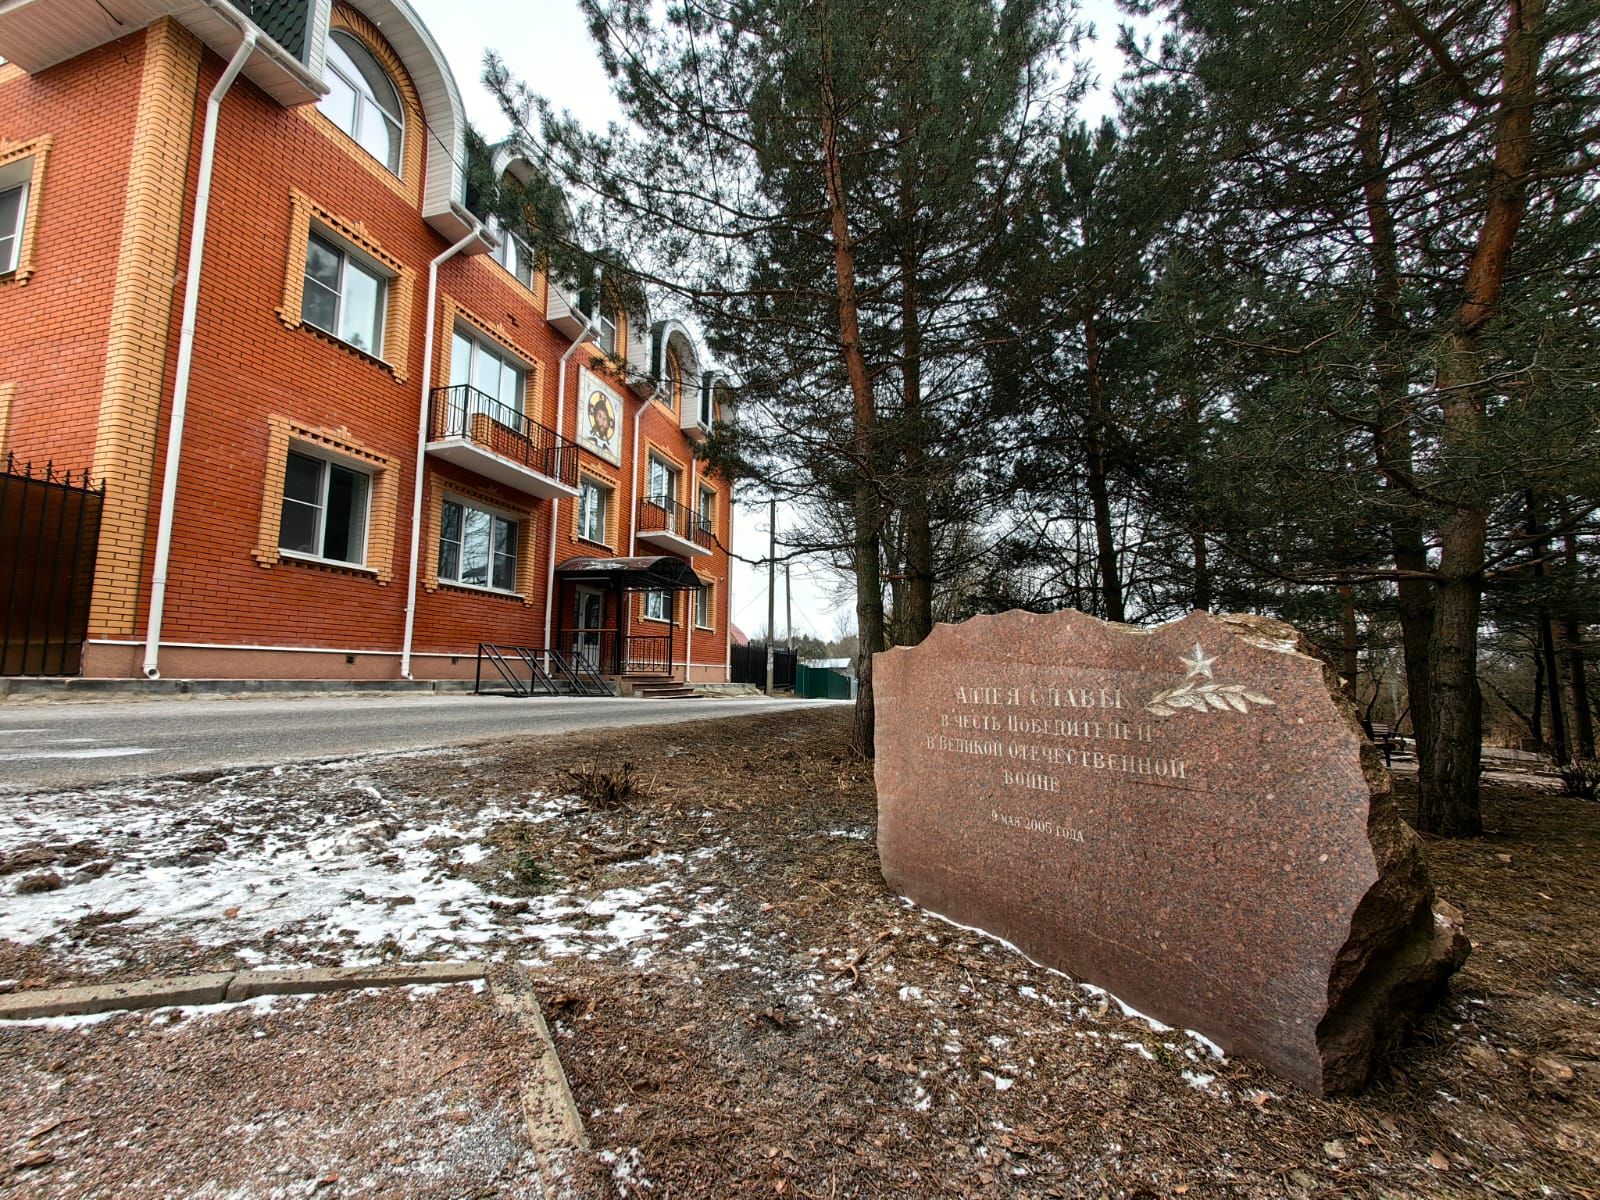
(1188, 816)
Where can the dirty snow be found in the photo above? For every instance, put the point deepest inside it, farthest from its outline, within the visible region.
(299, 864)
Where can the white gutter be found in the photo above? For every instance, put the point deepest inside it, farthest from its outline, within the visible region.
(186, 335)
(688, 608)
(589, 331)
(415, 571)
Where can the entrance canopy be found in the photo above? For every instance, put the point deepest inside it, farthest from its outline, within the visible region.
(664, 573)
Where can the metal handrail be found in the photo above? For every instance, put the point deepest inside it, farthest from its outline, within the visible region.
(661, 514)
(454, 412)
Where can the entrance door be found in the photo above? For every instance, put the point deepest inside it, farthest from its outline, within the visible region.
(591, 620)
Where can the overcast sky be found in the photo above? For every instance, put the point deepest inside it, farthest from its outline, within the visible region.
(546, 44)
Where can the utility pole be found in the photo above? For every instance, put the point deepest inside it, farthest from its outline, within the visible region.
(788, 609)
(772, 580)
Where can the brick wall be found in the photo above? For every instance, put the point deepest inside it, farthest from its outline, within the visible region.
(92, 337)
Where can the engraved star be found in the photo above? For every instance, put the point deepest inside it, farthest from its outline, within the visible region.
(1199, 664)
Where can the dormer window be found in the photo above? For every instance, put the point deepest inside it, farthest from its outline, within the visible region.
(674, 391)
(605, 335)
(362, 100)
(514, 254)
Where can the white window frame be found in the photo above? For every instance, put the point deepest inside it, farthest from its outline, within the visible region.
(13, 234)
(658, 606)
(670, 476)
(496, 517)
(349, 259)
(359, 525)
(706, 514)
(702, 606)
(468, 373)
(589, 486)
(367, 102)
(513, 254)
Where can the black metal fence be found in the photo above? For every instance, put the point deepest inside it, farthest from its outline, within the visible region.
(749, 665)
(616, 653)
(49, 531)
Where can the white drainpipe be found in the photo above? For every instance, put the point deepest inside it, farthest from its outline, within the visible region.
(415, 572)
(186, 335)
(589, 331)
(688, 613)
(633, 508)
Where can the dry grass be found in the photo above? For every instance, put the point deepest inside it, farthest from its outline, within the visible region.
(801, 1031)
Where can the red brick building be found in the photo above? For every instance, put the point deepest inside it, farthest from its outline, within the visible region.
(396, 439)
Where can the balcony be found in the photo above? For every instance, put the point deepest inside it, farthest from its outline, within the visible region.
(672, 526)
(473, 430)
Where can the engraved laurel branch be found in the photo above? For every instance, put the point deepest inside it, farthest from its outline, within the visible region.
(1224, 697)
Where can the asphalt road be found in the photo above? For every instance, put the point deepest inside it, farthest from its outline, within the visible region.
(65, 744)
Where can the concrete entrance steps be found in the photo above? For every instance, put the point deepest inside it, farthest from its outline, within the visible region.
(656, 688)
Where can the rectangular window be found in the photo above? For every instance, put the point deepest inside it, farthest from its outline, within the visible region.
(477, 548)
(702, 607)
(658, 606)
(708, 510)
(662, 483)
(324, 510)
(343, 296)
(496, 377)
(13, 212)
(593, 501)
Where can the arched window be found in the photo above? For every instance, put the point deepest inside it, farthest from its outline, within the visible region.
(362, 100)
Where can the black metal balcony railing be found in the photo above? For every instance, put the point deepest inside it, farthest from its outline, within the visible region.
(462, 411)
(660, 515)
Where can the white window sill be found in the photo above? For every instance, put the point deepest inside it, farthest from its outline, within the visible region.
(319, 561)
(657, 620)
(705, 628)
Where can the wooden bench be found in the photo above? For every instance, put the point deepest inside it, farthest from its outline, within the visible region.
(1385, 739)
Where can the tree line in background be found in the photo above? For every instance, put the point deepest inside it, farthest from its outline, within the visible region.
(1308, 329)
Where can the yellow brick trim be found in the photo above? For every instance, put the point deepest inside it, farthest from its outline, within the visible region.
(383, 499)
(397, 322)
(39, 150)
(140, 318)
(399, 292)
(8, 392)
(608, 478)
(413, 137)
(528, 571)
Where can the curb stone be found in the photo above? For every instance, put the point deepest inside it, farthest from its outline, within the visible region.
(79, 688)
(225, 986)
(548, 1110)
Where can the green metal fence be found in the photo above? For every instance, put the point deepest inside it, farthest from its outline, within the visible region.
(819, 683)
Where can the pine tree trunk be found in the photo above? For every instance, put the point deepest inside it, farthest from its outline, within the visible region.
(866, 510)
(1572, 638)
(1448, 800)
(1099, 488)
(1202, 570)
(1392, 429)
(918, 618)
(1540, 545)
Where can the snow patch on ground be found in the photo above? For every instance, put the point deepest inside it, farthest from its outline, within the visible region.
(291, 865)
